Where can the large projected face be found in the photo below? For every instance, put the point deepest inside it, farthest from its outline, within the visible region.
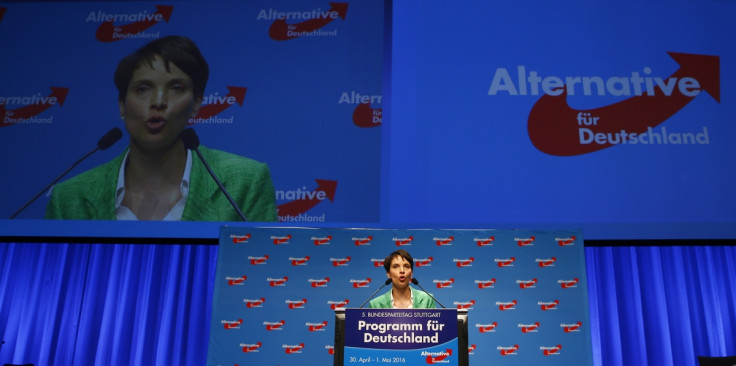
(157, 106)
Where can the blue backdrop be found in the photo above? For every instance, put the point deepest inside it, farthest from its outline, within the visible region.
(134, 304)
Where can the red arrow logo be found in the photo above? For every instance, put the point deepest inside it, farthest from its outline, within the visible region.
(233, 325)
(554, 127)
(316, 327)
(294, 349)
(365, 116)
(241, 238)
(281, 30)
(294, 208)
(432, 360)
(109, 32)
(252, 348)
(2, 12)
(552, 350)
(220, 104)
(274, 326)
(58, 95)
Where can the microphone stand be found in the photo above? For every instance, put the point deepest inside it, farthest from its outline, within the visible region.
(375, 292)
(106, 141)
(414, 281)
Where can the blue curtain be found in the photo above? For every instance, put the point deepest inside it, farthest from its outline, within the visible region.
(105, 304)
(135, 304)
(661, 305)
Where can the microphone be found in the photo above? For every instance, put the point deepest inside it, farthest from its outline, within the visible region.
(105, 141)
(191, 142)
(414, 281)
(375, 292)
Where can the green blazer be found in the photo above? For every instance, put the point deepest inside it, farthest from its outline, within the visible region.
(91, 195)
(421, 301)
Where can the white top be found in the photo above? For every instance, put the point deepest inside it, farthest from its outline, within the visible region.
(124, 213)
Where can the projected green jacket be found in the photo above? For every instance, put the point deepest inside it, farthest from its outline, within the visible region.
(421, 301)
(91, 195)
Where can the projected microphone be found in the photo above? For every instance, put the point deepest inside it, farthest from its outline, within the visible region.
(375, 292)
(105, 141)
(414, 281)
(191, 142)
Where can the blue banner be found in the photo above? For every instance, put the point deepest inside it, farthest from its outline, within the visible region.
(276, 291)
(401, 337)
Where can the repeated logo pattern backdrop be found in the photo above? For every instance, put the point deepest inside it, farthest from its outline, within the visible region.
(295, 84)
(276, 290)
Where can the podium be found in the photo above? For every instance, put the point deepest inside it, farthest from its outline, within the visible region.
(400, 336)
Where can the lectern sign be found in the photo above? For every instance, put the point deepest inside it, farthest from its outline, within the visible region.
(401, 337)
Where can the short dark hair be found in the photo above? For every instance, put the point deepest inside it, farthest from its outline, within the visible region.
(398, 253)
(179, 50)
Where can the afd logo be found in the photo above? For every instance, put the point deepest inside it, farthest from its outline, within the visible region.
(646, 100)
(214, 104)
(254, 303)
(437, 357)
(569, 328)
(487, 328)
(236, 281)
(277, 240)
(338, 304)
(290, 349)
(569, 283)
(2, 12)
(508, 351)
(443, 241)
(484, 242)
(277, 282)
(340, 262)
(550, 305)
(296, 304)
(271, 326)
(527, 284)
(566, 242)
(120, 26)
(505, 262)
(551, 351)
(444, 283)
(299, 261)
(525, 242)
(360, 283)
(486, 283)
(362, 241)
(317, 327)
(231, 324)
(507, 305)
(546, 262)
(238, 239)
(464, 305)
(309, 23)
(28, 108)
(258, 260)
(464, 262)
(364, 115)
(322, 240)
(251, 347)
(302, 200)
(529, 328)
(423, 262)
(315, 283)
(400, 242)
